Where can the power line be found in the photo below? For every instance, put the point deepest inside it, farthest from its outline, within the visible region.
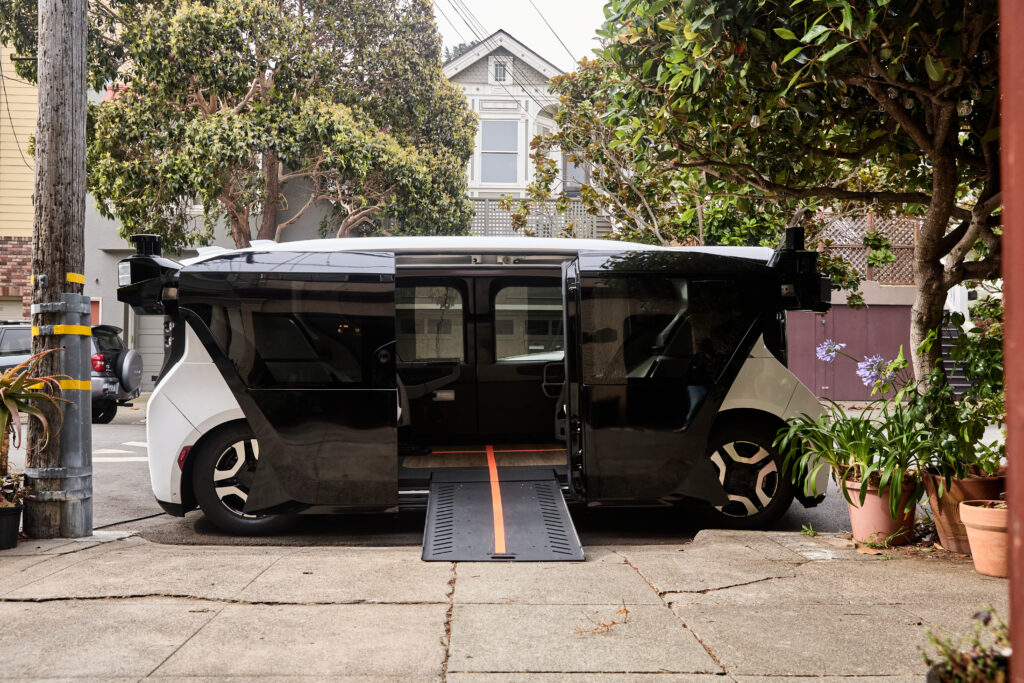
(10, 119)
(487, 44)
(450, 22)
(553, 31)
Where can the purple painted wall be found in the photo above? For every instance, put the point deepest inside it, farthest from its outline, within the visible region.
(866, 331)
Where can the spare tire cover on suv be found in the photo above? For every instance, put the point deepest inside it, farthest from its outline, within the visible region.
(129, 369)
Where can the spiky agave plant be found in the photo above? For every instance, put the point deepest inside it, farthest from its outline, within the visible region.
(22, 390)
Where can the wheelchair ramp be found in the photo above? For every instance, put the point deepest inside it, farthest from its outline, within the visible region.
(477, 515)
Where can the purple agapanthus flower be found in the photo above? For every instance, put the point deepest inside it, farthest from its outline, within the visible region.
(874, 369)
(828, 350)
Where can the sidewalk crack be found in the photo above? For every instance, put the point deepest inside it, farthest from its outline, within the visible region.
(225, 601)
(447, 638)
(668, 606)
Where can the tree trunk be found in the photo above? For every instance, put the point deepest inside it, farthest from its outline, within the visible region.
(268, 223)
(926, 314)
(58, 253)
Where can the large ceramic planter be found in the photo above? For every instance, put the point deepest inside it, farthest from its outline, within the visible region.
(872, 522)
(10, 523)
(986, 529)
(946, 510)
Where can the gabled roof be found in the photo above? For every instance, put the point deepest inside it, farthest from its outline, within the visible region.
(500, 38)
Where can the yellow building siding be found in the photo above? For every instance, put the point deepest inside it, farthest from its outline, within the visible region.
(17, 124)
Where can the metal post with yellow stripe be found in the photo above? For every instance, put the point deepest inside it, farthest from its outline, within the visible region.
(70, 484)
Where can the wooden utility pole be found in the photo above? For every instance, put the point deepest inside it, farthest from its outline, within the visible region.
(59, 469)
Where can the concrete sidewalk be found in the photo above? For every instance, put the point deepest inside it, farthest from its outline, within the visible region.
(743, 606)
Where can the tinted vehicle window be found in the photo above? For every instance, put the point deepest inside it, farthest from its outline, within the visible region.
(106, 341)
(527, 320)
(430, 324)
(662, 328)
(15, 341)
(301, 335)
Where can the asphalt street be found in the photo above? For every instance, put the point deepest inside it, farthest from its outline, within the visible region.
(122, 499)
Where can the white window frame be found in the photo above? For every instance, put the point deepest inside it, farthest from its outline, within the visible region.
(517, 153)
(504, 60)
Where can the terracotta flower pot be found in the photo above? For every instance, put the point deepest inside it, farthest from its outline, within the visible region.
(946, 510)
(872, 522)
(986, 529)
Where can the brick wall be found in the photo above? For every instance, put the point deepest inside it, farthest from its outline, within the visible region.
(15, 267)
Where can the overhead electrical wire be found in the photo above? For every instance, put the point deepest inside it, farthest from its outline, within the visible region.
(480, 34)
(554, 32)
(10, 119)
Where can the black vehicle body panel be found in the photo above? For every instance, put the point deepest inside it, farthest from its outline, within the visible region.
(327, 429)
(327, 423)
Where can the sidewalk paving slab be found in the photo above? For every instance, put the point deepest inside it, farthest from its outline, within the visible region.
(554, 638)
(317, 641)
(836, 640)
(570, 677)
(609, 581)
(94, 638)
(151, 570)
(338, 575)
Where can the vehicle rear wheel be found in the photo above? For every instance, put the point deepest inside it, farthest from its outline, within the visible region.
(751, 471)
(103, 412)
(222, 474)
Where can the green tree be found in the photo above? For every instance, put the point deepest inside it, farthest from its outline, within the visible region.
(649, 196)
(888, 102)
(451, 53)
(224, 104)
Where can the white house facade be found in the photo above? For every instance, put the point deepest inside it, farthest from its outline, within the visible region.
(507, 85)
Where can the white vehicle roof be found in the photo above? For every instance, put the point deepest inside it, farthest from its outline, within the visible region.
(471, 245)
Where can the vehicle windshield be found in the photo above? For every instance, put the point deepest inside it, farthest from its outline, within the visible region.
(16, 341)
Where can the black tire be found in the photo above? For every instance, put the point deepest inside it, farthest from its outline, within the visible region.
(232, 449)
(751, 471)
(103, 412)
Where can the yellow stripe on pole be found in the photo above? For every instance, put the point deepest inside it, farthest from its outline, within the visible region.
(81, 330)
(79, 384)
(76, 277)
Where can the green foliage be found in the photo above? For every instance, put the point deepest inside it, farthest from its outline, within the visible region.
(224, 104)
(957, 424)
(884, 445)
(21, 390)
(19, 27)
(809, 104)
(981, 657)
(451, 53)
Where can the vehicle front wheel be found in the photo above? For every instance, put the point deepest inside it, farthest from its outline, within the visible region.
(751, 471)
(103, 412)
(222, 474)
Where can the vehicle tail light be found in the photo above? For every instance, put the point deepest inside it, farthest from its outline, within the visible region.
(99, 363)
(182, 456)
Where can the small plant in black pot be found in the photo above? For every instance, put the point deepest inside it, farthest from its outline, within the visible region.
(982, 657)
(21, 392)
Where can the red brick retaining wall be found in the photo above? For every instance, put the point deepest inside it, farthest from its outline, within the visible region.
(15, 268)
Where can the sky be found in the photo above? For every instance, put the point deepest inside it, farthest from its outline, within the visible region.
(575, 21)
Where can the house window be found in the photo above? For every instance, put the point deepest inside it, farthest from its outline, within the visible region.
(500, 69)
(574, 175)
(499, 151)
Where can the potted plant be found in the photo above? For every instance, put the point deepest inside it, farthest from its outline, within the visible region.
(986, 522)
(20, 390)
(961, 466)
(873, 457)
(983, 658)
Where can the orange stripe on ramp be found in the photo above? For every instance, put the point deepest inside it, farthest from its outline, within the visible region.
(499, 515)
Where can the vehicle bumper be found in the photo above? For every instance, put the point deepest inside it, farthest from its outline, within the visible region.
(109, 389)
(175, 509)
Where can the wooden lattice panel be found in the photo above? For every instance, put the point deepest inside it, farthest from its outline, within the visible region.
(492, 221)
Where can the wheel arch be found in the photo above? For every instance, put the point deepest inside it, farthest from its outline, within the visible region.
(188, 494)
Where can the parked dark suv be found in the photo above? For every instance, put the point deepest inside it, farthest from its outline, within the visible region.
(116, 373)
